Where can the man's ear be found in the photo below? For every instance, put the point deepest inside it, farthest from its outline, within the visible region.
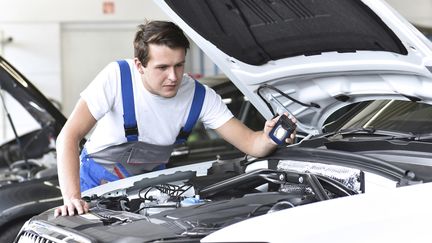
(139, 65)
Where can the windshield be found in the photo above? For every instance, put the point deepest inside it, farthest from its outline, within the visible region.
(393, 115)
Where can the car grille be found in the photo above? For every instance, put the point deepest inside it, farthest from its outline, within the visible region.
(28, 237)
(36, 231)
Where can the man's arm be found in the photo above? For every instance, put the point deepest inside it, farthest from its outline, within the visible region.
(76, 127)
(257, 144)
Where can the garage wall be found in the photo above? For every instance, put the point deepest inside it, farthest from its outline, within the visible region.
(44, 31)
(71, 40)
(86, 49)
(77, 10)
(419, 12)
(35, 50)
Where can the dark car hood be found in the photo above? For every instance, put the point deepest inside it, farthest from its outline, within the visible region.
(35, 140)
(40, 108)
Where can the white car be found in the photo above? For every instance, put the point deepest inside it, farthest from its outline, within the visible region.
(363, 177)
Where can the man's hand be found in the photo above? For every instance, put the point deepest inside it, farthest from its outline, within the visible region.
(72, 207)
(271, 123)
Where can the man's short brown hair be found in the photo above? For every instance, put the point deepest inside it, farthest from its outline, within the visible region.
(159, 33)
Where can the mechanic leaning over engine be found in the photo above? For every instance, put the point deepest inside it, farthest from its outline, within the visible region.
(141, 107)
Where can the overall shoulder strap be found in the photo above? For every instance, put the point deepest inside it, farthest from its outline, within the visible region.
(129, 119)
(194, 112)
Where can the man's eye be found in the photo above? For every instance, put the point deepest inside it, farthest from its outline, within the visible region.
(162, 68)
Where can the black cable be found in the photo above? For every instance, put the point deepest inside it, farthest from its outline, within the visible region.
(284, 95)
(265, 101)
(183, 190)
(171, 190)
(145, 194)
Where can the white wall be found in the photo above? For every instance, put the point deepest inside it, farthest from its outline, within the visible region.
(47, 33)
(86, 49)
(76, 10)
(70, 41)
(419, 12)
(35, 51)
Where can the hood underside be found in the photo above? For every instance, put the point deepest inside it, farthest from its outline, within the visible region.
(256, 32)
(309, 58)
(29, 97)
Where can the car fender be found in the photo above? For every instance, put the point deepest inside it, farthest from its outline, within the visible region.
(25, 199)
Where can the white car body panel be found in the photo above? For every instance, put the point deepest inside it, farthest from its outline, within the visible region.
(384, 217)
(116, 187)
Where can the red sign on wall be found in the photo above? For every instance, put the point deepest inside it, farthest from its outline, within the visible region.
(108, 7)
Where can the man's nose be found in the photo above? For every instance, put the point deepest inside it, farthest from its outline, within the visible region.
(172, 74)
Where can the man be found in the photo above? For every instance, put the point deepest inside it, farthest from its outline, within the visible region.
(139, 117)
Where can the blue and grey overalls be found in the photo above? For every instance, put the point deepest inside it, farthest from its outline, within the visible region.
(133, 157)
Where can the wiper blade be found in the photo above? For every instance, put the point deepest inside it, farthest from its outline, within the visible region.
(366, 130)
(386, 134)
(424, 136)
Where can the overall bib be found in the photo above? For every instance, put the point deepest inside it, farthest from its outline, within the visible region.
(133, 157)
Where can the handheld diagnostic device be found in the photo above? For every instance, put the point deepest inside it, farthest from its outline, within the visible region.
(282, 129)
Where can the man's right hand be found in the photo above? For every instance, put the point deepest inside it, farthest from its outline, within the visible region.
(72, 207)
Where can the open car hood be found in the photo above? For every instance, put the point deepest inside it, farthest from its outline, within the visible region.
(310, 58)
(30, 98)
(31, 123)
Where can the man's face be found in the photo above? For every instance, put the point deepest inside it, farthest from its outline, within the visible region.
(164, 71)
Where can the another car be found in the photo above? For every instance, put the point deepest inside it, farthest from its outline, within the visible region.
(28, 172)
(364, 177)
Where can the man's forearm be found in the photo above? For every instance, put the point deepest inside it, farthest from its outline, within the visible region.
(68, 170)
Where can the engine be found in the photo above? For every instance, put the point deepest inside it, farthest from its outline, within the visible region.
(199, 205)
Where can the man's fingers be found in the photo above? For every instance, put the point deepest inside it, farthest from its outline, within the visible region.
(86, 206)
(62, 210)
(57, 212)
(81, 206)
(269, 124)
(70, 209)
(75, 206)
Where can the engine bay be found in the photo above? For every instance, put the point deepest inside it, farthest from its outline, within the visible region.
(191, 202)
(192, 205)
(25, 170)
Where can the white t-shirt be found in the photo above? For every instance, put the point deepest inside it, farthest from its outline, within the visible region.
(159, 119)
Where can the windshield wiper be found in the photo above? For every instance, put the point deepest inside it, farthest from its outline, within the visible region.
(424, 136)
(386, 134)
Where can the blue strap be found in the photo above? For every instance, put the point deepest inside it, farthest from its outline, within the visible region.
(194, 112)
(129, 119)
